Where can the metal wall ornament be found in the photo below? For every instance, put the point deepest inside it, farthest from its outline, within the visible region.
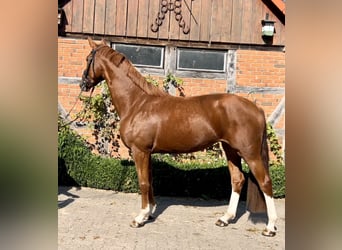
(176, 7)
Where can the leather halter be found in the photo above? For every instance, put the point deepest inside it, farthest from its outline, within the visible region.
(92, 61)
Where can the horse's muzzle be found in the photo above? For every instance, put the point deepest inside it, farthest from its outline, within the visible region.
(84, 85)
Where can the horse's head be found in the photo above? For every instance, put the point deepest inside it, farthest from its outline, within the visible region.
(92, 75)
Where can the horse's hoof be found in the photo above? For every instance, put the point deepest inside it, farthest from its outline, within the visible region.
(150, 218)
(268, 233)
(221, 223)
(135, 224)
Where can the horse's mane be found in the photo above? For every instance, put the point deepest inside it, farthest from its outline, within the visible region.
(137, 78)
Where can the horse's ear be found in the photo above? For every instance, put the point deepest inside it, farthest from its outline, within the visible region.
(104, 42)
(92, 43)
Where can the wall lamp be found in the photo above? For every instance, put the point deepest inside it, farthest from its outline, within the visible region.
(60, 16)
(267, 26)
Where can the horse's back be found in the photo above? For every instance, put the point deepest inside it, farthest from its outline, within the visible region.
(231, 107)
(219, 109)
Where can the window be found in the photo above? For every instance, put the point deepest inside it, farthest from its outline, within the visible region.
(183, 62)
(142, 55)
(201, 60)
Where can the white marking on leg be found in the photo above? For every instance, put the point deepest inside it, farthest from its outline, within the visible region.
(231, 211)
(153, 208)
(144, 213)
(271, 213)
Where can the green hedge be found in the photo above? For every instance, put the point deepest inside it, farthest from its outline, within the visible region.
(78, 166)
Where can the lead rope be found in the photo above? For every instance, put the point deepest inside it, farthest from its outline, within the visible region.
(77, 98)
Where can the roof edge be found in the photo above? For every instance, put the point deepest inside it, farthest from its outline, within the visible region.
(280, 5)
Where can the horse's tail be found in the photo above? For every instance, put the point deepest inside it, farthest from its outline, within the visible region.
(255, 198)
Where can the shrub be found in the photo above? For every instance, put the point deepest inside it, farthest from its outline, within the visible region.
(90, 170)
(277, 173)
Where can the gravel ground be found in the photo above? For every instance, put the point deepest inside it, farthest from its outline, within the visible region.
(99, 219)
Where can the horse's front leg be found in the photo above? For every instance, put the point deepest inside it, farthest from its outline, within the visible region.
(143, 167)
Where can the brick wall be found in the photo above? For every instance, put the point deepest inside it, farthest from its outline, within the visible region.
(71, 56)
(264, 70)
(259, 76)
(260, 68)
(201, 86)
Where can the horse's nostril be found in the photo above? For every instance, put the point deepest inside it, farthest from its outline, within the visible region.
(83, 85)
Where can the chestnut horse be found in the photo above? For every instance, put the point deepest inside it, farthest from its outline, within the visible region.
(153, 121)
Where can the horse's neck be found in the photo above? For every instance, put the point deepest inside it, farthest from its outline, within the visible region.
(125, 94)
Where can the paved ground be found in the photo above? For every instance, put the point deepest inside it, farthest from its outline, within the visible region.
(99, 219)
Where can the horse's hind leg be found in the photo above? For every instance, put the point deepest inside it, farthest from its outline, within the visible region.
(262, 176)
(237, 181)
